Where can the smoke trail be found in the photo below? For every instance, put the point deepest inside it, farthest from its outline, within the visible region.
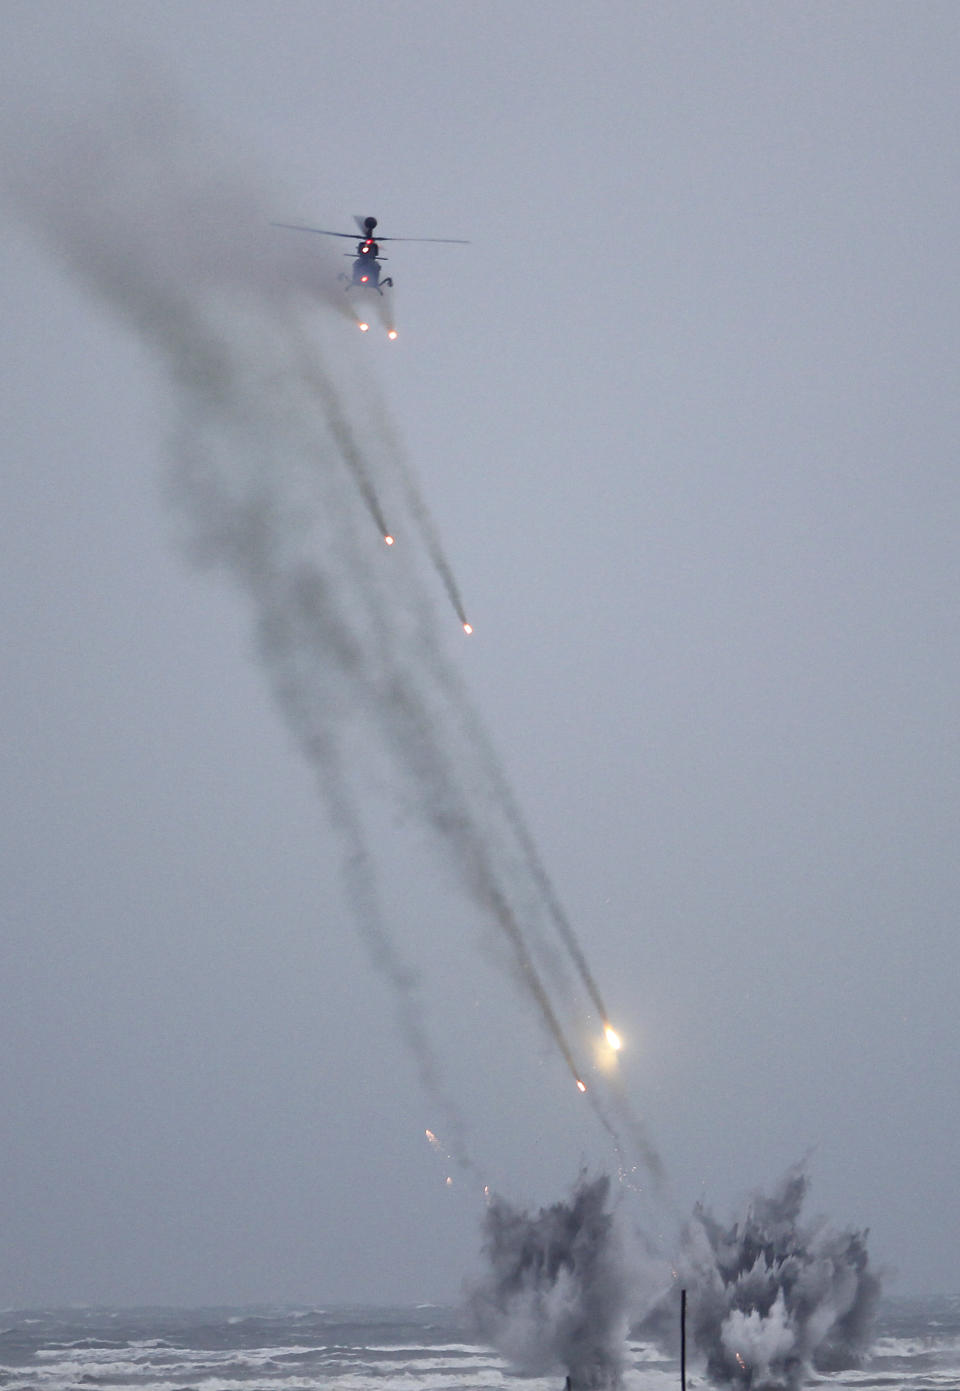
(770, 1299)
(344, 438)
(417, 506)
(502, 795)
(175, 240)
(431, 540)
(293, 615)
(556, 1293)
(360, 879)
(502, 789)
(419, 509)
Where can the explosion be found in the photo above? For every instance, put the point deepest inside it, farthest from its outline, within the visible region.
(769, 1298)
(556, 1292)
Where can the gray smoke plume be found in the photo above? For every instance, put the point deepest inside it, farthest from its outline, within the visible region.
(275, 475)
(770, 1299)
(555, 1296)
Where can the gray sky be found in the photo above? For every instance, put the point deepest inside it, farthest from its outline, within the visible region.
(685, 414)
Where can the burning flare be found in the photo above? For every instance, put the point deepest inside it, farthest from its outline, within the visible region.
(612, 1037)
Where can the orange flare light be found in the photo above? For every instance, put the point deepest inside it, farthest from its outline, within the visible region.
(613, 1038)
(391, 333)
(389, 540)
(581, 1086)
(362, 327)
(468, 629)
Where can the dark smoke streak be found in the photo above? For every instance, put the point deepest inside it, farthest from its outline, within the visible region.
(431, 541)
(417, 505)
(360, 878)
(345, 440)
(295, 618)
(501, 793)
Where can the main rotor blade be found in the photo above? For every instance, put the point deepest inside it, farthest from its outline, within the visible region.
(352, 236)
(299, 227)
(366, 233)
(453, 241)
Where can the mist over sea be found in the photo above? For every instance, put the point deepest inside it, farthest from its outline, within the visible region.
(917, 1345)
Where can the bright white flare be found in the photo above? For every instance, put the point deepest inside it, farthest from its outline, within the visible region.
(613, 1038)
(362, 327)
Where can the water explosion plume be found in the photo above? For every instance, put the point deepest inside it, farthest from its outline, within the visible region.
(770, 1299)
(556, 1293)
(270, 448)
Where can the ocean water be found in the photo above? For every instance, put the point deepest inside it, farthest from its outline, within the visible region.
(917, 1348)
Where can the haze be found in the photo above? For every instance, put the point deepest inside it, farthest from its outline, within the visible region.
(684, 413)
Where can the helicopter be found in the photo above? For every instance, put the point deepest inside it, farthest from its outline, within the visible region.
(365, 271)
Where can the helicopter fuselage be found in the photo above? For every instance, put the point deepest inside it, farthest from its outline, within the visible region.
(366, 268)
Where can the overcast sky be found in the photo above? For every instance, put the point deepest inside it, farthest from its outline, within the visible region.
(685, 414)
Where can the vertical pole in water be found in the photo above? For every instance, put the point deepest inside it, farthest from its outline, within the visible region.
(683, 1340)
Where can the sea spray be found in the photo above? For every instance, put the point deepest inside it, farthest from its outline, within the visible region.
(555, 1295)
(769, 1298)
